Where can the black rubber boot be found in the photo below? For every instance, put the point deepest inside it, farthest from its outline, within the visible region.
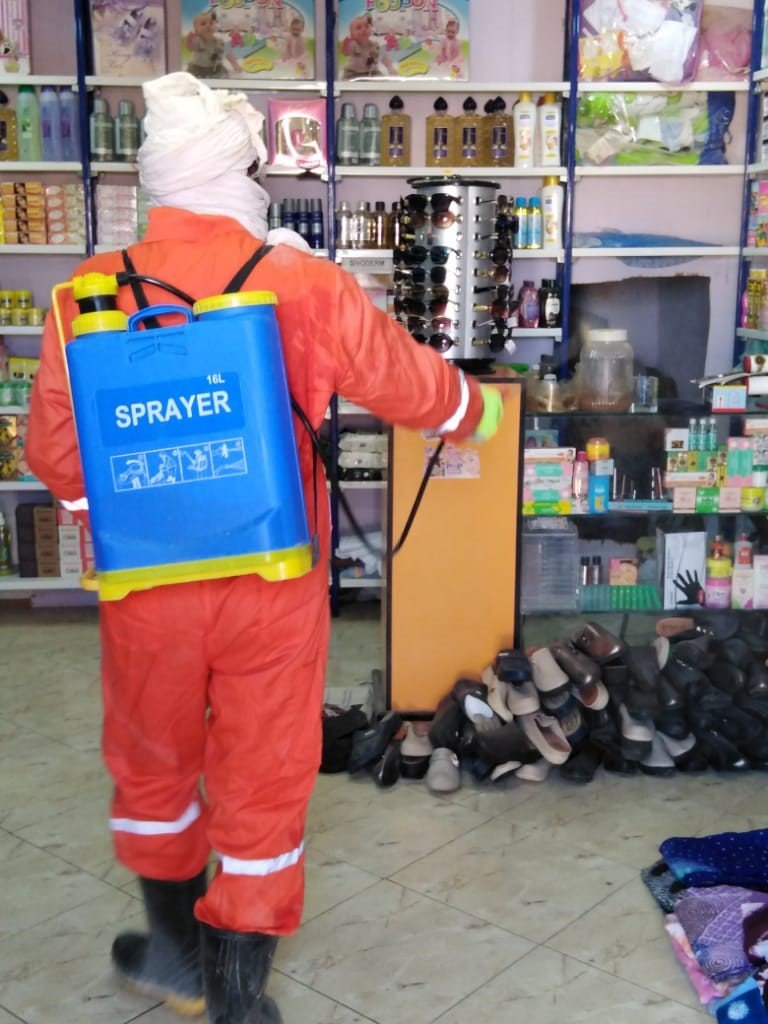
(166, 963)
(236, 966)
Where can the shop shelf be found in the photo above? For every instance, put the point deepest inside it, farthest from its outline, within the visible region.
(42, 166)
(663, 170)
(113, 167)
(22, 485)
(31, 583)
(755, 252)
(363, 485)
(20, 330)
(761, 76)
(243, 84)
(391, 85)
(601, 597)
(751, 334)
(13, 410)
(691, 251)
(714, 86)
(538, 254)
(20, 79)
(360, 584)
(365, 171)
(759, 168)
(537, 332)
(39, 250)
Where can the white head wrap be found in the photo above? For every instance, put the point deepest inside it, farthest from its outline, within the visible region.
(199, 144)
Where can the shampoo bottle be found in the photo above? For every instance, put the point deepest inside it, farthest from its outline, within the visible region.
(102, 131)
(468, 130)
(524, 117)
(348, 136)
(50, 123)
(440, 136)
(534, 223)
(70, 131)
(550, 124)
(126, 133)
(9, 145)
(396, 136)
(552, 200)
(370, 136)
(28, 118)
(498, 149)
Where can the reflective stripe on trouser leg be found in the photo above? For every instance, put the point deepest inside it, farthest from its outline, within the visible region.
(262, 756)
(154, 676)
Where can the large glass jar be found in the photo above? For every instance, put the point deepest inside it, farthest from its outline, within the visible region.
(606, 372)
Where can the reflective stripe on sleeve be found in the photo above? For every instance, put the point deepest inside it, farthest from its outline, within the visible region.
(157, 828)
(453, 423)
(267, 866)
(80, 505)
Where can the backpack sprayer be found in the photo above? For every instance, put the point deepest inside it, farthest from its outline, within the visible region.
(186, 438)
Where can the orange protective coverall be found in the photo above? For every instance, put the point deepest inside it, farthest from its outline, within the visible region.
(225, 678)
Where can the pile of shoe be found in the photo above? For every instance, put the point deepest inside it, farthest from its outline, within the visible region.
(694, 699)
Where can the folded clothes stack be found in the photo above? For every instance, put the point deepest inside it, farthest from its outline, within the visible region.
(714, 893)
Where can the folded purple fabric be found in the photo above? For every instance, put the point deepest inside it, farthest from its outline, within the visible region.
(713, 921)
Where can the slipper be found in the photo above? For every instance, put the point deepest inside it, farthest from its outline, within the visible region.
(657, 761)
(643, 665)
(512, 666)
(736, 651)
(464, 687)
(757, 679)
(480, 713)
(756, 706)
(386, 771)
(445, 727)
(510, 699)
(594, 696)
(504, 771)
(368, 745)
(507, 743)
(415, 752)
(727, 677)
(662, 646)
(443, 775)
(675, 626)
(615, 675)
(636, 737)
(581, 670)
(546, 734)
(721, 624)
(597, 642)
(536, 771)
(581, 767)
(696, 653)
(547, 674)
(676, 747)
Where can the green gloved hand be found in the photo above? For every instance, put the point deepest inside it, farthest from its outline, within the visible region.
(493, 411)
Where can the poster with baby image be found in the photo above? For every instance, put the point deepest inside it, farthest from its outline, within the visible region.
(248, 38)
(128, 38)
(403, 39)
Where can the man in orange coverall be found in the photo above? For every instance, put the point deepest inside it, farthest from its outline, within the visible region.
(223, 679)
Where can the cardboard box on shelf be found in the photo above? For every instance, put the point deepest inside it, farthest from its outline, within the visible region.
(681, 557)
(743, 587)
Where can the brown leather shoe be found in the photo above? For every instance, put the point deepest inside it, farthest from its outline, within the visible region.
(596, 642)
(580, 669)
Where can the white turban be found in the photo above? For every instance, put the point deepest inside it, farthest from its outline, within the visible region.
(199, 144)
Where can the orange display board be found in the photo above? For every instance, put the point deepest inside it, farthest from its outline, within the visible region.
(452, 590)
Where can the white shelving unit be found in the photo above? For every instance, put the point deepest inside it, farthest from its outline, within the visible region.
(31, 584)
(537, 332)
(41, 166)
(663, 171)
(691, 251)
(22, 485)
(363, 485)
(755, 169)
(659, 87)
(43, 250)
(396, 85)
(351, 584)
(239, 84)
(358, 171)
(70, 80)
(755, 253)
(12, 331)
(750, 334)
(113, 167)
(13, 410)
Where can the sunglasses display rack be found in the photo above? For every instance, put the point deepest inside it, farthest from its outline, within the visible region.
(452, 265)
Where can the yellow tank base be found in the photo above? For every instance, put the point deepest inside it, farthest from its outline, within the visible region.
(273, 566)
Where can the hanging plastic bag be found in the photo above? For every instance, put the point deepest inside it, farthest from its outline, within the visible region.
(640, 40)
(726, 42)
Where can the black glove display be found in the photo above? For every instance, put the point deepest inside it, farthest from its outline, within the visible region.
(689, 585)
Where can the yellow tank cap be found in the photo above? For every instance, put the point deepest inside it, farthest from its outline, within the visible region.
(89, 286)
(217, 302)
(99, 321)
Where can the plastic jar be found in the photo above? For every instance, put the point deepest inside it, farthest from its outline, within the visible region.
(606, 372)
(717, 589)
(597, 448)
(23, 299)
(752, 499)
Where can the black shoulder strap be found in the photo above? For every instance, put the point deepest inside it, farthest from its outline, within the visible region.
(243, 273)
(139, 295)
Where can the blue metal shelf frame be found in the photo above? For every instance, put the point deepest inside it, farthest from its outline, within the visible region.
(83, 52)
(571, 73)
(754, 123)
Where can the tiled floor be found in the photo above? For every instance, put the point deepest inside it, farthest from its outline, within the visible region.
(518, 904)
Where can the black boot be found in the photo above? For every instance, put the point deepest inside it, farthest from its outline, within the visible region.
(235, 971)
(166, 963)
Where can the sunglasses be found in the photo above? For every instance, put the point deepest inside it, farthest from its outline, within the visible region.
(438, 323)
(502, 291)
(499, 322)
(498, 309)
(498, 255)
(442, 342)
(442, 216)
(439, 254)
(414, 307)
(418, 275)
(498, 275)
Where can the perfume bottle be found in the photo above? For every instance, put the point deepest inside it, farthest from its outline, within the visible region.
(396, 135)
(440, 136)
(468, 129)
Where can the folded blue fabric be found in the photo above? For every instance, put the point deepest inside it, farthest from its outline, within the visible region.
(727, 858)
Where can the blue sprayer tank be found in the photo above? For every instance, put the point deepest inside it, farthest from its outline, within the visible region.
(187, 445)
